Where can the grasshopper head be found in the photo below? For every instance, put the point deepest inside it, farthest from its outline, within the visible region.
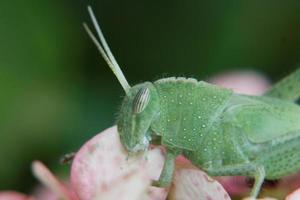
(139, 108)
(140, 105)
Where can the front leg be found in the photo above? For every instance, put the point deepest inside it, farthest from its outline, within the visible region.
(166, 175)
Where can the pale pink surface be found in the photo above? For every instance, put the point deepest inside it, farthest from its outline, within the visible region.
(245, 82)
(102, 169)
(11, 195)
(294, 196)
(43, 193)
(191, 183)
(51, 182)
(266, 198)
(234, 185)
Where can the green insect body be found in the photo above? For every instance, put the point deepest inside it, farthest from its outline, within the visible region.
(221, 132)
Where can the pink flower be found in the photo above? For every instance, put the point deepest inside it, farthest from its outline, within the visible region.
(294, 196)
(103, 170)
(244, 82)
(10, 195)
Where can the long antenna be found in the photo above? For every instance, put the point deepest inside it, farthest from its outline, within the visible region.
(105, 51)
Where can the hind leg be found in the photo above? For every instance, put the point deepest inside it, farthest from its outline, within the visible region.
(246, 169)
(282, 159)
(259, 179)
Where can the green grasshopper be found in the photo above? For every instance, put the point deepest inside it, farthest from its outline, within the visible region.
(221, 132)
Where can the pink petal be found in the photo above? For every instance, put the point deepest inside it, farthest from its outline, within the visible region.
(245, 82)
(45, 176)
(101, 169)
(265, 198)
(131, 186)
(182, 160)
(234, 185)
(191, 183)
(44, 193)
(294, 196)
(11, 195)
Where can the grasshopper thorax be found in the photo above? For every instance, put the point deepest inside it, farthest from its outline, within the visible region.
(139, 108)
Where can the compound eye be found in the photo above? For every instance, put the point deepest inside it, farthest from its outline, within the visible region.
(141, 100)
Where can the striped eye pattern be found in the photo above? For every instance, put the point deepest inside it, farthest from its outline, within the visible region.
(141, 100)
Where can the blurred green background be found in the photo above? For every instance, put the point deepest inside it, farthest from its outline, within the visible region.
(56, 91)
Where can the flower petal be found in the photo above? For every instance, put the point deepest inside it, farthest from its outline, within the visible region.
(265, 198)
(245, 82)
(11, 195)
(43, 174)
(135, 187)
(294, 196)
(234, 185)
(101, 169)
(191, 183)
